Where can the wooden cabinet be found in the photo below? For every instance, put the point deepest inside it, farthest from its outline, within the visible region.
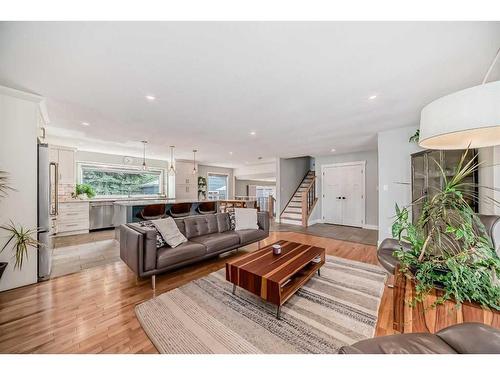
(73, 218)
(426, 179)
(65, 158)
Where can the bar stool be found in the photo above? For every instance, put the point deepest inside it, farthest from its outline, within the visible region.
(152, 212)
(205, 208)
(180, 210)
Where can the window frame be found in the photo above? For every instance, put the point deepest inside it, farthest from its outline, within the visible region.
(227, 182)
(122, 168)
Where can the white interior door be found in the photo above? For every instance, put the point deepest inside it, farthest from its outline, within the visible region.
(343, 195)
(332, 196)
(352, 195)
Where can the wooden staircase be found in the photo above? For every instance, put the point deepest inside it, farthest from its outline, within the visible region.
(300, 206)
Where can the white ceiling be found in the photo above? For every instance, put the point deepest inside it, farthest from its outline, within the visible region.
(303, 87)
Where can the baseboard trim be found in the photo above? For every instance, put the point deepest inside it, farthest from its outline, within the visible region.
(314, 221)
(370, 226)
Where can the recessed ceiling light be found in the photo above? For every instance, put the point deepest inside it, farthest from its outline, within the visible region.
(332, 150)
(372, 97)
(85, 123)
(150, 97)
(253, 133)
(230, 152)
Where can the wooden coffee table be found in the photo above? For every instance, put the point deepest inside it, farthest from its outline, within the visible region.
(275, 278)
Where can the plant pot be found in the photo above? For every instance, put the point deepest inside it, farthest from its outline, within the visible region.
(437, 285)
(3, 266)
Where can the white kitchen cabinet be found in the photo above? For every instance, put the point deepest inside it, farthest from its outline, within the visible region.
(65, 158)
(73, 218)
(186, 184)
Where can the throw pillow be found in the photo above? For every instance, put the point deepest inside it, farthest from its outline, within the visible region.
(232, 218)
(246, 218)
(169, 231)
(160, 242)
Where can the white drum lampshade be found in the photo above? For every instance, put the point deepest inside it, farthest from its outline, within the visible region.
(466, 118)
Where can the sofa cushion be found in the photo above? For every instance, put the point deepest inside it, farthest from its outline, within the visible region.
(250, 235)
(200, 225)
(410, 343)
(223, 222)
(167, 256)
(472, 338)
(218, 241)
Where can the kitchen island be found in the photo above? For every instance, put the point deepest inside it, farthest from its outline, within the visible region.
(126, 211)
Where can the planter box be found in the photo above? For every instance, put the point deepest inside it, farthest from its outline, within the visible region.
(425, 318)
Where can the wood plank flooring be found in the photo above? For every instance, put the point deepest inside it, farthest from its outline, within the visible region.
(92, 311)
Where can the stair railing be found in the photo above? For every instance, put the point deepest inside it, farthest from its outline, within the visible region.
(308, 201)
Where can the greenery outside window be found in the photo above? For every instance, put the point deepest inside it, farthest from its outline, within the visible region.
(217, 186)
(116, 181)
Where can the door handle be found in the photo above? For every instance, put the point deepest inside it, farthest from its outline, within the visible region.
(343, 197)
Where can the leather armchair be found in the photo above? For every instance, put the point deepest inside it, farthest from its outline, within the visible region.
(465, 338)
(389, 245)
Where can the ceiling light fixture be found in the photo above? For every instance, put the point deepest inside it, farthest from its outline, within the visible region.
(144, 167)
(194, 171)
(150, 98)
(372, 97)
(230, 152)
(332, 150)
(85, 123)
(466, 118)
(252, 133)
(171, 169)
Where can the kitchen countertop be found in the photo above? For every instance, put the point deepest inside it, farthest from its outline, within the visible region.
(142, 202)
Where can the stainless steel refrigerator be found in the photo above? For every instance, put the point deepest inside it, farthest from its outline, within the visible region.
(47, 210)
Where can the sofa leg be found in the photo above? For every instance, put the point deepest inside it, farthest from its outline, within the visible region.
(259, 245)
(153, 282)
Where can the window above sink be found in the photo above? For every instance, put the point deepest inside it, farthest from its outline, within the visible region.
(111, 181)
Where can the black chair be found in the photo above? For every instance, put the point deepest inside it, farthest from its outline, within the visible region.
(152, 212)
(180, 210)
(205, 208)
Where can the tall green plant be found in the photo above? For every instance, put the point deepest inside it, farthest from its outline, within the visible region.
(4, 184)
(450, 248)
(19, 238)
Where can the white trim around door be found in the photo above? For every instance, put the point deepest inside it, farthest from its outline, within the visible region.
(362, 165)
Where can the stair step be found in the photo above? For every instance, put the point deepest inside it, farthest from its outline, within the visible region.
(292, 222)
(294, 210)
(292, 215)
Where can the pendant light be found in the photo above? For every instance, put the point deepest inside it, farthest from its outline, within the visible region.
(194, 171)
(144, 167)
(171, 169)
(466, 118)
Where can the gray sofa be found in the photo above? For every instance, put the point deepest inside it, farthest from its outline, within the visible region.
(208, 236)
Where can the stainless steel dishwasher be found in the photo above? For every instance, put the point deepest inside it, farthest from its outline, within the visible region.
(101, 215)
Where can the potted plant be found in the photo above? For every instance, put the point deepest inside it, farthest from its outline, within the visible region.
(84, 191)
(19, 238)
(450, 249)
(202, 188)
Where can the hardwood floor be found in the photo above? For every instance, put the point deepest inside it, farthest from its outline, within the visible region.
(93, 311)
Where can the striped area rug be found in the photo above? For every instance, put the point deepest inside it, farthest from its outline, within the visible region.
(337, 308)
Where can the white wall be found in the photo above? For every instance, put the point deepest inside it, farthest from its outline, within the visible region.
(289, 175)
(18, 157)
(489, 176)
(241, 186)
(371, 182)
(257, 171)
(394, 174)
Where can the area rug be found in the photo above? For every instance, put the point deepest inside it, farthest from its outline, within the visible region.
(337, 308)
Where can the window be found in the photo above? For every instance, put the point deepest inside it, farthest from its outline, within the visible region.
(117, 181)
(217, 186)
